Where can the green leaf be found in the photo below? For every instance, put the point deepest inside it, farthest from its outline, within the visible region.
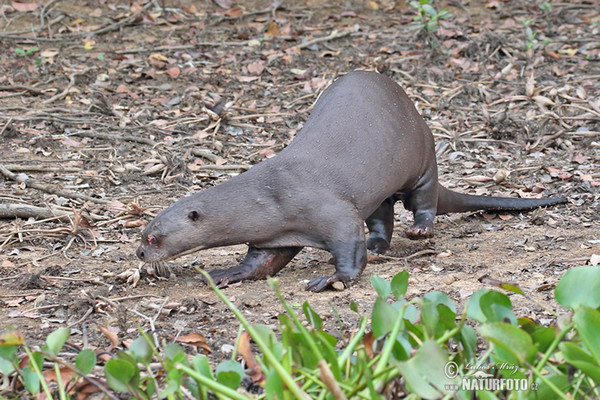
(118, 374)
(141, 350)
(401, 349)
(400, 284)
(202, 366)
(56, 340)
(474, 308)
(311, 315)
(382, 318)
(8, 352)
(544, 391)
(429, 10)
(497, 307)
(6, 367)
(468, 341)
(229, 373)
(581, 360)
(85, 361)
(19, 51)
(382, 286)
(511, 343)
(429, 317)
(10, 339)
(173, 351)
(424, 372)
(587, 321)
(37, 358)
(100, 57)
(511, 288)
(274, 386)
(440, 298)
(31, 380)
(579, 286)
(172, 387)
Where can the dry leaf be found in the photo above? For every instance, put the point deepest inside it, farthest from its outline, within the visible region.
(173, 72)
(256, 68)
(114, 339)
(273, 29)
(224, 3)
(246, 352)
(234, 12)
(195, 339)
(24, 7)
(373, 5)
(543, 101)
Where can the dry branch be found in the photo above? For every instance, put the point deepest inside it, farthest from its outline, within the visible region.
(34, 185)
(29, 211)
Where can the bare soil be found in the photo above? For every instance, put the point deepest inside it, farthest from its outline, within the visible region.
(136, 107)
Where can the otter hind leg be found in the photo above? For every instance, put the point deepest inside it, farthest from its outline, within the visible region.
(381, 226)
(258, 264)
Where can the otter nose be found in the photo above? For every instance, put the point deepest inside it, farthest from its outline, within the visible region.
(140, 253)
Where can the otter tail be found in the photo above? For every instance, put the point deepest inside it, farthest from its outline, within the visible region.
(449, 202)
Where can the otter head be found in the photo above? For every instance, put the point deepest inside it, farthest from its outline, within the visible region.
(176, 231)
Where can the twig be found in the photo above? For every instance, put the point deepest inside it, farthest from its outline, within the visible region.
(40, 168)
(31, 89)
(44, 188)
(29, 211)
(223, 167)
(111, 27)
(332, 36)
(115, 138)
(5, 126)
(69, 86)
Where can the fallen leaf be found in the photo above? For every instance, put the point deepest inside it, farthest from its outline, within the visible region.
(8, 264)
(256, 68)
(173, 72)
(246, 78)
(224, 3)
(195, 339)
(246, 352)
(234, 12)
(24, 7)
(112, 336)
(273, 29)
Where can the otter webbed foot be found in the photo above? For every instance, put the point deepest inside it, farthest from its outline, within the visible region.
(258, 264)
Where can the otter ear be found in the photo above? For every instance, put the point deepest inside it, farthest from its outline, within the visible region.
(194, 215)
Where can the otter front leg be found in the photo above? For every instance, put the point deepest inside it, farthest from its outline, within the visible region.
(258, 264)
(350, 254)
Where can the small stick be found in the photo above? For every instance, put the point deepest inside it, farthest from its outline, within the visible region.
(34, 185)
(65, 92)
(332, 36)
(29, 211)
(223, 167)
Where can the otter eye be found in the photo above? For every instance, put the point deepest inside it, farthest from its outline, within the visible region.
(194, 215)
(152, 240)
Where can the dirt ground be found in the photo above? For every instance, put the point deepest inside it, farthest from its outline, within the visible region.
(136, 107)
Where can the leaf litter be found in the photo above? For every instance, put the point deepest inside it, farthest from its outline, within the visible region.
(112, 112)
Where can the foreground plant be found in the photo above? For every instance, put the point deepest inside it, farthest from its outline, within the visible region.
(419, 348)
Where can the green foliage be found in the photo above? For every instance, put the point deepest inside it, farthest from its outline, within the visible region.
(25, 52)
(422, 345)
(427, 18)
